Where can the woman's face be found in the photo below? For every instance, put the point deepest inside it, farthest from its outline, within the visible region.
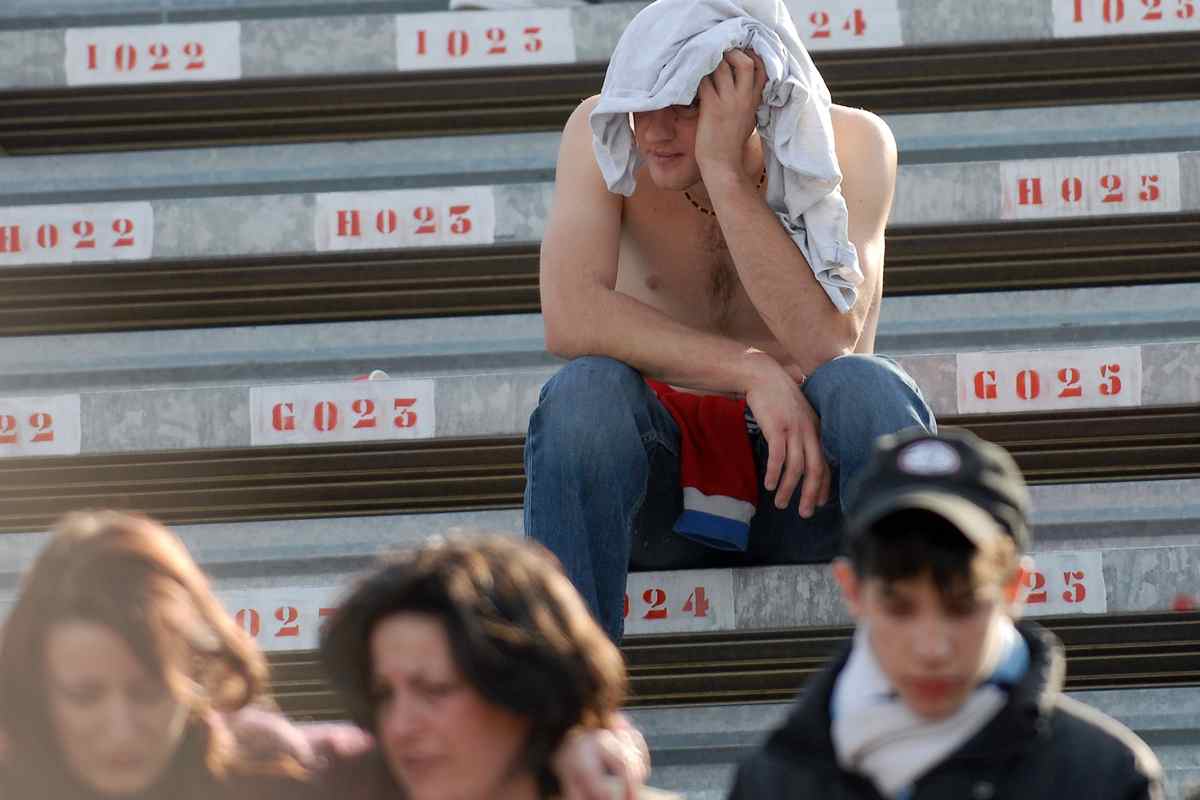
(117, 725)
(440, 737)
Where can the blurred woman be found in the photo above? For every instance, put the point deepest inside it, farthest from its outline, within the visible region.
(115, 666)
(470, 660)
(122, 676)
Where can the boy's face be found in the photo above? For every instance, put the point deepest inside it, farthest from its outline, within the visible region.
(931, 644)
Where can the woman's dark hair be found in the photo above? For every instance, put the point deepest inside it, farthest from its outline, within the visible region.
(910, 543)
(133, 576)
(516, 627)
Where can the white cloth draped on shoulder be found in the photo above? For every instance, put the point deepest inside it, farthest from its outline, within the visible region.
(660, 60)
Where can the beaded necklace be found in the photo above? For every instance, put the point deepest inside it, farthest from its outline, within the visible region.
(762, 179)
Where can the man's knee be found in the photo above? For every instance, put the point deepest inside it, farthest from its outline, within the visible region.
(588, 411)
(871, 389)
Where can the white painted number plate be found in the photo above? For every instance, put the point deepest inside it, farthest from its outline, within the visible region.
(1066, 583)
(1114, 17)
(484, 39)
(282, 619)
(355, 411)
(679, 602)
(464, 215)
(1046, 380)
(1094, 186)
(58, 234)
(847, 24)
(40, 426)
(154, 54)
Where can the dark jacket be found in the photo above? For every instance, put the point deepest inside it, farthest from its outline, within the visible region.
(1040, 745)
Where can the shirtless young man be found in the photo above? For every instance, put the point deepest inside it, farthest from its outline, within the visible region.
(724, 302)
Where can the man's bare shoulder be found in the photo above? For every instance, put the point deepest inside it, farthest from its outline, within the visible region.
(578, 121)
(865, 143)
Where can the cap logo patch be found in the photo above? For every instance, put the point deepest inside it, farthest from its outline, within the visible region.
(929, 457)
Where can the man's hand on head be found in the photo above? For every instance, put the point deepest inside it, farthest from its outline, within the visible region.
(729, 101)
(793, 434)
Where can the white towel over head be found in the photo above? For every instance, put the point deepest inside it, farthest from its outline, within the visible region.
(668, 48)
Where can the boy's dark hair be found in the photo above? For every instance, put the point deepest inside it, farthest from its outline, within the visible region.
(913, 542)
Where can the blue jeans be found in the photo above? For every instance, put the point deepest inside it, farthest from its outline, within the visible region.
(602, 472)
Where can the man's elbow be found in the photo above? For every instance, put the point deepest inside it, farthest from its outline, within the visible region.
(838, 337)
(562, 338)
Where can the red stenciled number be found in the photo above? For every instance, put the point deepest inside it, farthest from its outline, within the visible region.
(1114, 10)
(85, 232)
(533, 41)
(1077, 592)
(1069, 378)
(387, 221)
(8, 429)
(985, 384)
(195, 52)
(43, 423)
(458, 43)
(1072, 190)
(496, 36)
(1112, 385)
(1186, 10)
(47, 236)
(427, 217)
(856, 23)
(627, 605)
(697, 603)
(407, 418)
(93, 60)
(657, 600)
(123, 228)
(1035, 581)
(248, 620)
(126, 57)
(1153, 10)
(160, 53)
(820, 22)
(1079, 10)
(460, 223)
(1029, 384)
(1112, 185)
(365, 409)
(282, 418)
(422, 43)
(325, 416)
(288, 617)
(1150, 191)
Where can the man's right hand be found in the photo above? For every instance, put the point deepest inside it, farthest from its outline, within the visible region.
(792, 432)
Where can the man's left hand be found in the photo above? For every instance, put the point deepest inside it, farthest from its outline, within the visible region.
(729, 101)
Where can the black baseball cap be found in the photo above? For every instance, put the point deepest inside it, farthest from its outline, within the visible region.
(971, 483)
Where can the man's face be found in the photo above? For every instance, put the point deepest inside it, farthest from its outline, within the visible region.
(667, 140)
(930, 643)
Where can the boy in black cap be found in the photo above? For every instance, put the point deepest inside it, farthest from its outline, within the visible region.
(941, 694)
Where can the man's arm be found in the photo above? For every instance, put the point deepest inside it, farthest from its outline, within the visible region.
(772, 269)
(583, 312)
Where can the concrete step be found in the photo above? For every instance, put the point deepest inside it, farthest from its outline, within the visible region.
(262, 220)
(249, 412)
(912, 325)
(1129, 547)
(313, 38)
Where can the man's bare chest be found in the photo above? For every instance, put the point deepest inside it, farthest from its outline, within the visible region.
(680, 264)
